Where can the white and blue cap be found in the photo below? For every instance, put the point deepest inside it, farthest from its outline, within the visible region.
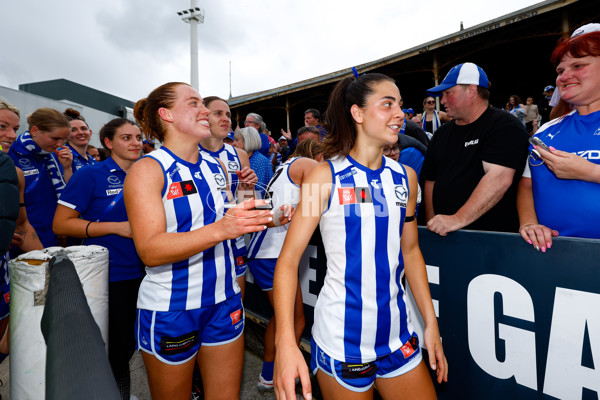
(582, 30)
(462, 74)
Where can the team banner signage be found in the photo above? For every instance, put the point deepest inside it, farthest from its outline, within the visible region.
(515, 323)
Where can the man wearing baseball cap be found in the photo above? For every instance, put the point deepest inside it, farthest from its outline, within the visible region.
(475, 161)
(147, 146)
(544, 106)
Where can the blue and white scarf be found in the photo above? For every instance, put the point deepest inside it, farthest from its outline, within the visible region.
(435, 121)
(24, 145)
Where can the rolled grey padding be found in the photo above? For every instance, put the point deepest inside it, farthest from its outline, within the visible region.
(77, 366)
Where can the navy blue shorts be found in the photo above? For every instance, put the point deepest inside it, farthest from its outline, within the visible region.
(174, 337)
(360, 377)
(263, 270)
(4, 288)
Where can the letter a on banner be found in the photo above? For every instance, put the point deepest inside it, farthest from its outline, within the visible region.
(565, 376)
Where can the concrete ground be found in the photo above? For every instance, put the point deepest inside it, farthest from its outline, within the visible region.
(254, 334)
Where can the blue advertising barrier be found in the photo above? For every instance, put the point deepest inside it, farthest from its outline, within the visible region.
(515, 323)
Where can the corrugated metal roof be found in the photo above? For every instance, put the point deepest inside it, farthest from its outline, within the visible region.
(519, 15)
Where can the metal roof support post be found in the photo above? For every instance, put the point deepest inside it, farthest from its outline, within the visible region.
(287, 112)
(436, 78)
(565, 22)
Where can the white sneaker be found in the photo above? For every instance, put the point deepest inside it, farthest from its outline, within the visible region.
(264, 385)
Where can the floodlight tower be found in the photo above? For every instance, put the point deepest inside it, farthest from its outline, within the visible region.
(193, 16)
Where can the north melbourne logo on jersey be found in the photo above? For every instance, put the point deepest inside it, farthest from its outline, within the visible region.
(180, 189)
(354, 195)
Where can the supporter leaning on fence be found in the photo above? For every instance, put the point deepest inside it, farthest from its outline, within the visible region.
(46, 164)
(560, 188)
(92, 207)
(189, 306)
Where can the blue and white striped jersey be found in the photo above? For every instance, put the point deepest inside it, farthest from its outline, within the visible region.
(282, 190)
(193, 197)
(361, 313)
(228, 155)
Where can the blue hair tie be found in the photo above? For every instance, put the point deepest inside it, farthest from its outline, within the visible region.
(355, 72)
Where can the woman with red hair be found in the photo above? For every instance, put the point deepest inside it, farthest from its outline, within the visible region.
(561, 184)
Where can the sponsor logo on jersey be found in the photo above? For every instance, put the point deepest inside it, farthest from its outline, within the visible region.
(346, 175)
(113, 180)
(401, 194)
(171, 173)
(24, 162)
(220, 180)
(551, 136)
(198, 175)
(374, 183)
(232, 166)
(236, 316)
(180, 189)
(354, 195)
(240, 260)
(410, 346)
(179, 344)
(597, 132)
(112, 192)
(589, 154)
(31, 172)
(471, 143)
(7, 297)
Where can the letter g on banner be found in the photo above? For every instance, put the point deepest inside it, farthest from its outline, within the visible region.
(520, 360)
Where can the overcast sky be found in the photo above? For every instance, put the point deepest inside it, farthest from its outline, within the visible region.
(128, 47)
